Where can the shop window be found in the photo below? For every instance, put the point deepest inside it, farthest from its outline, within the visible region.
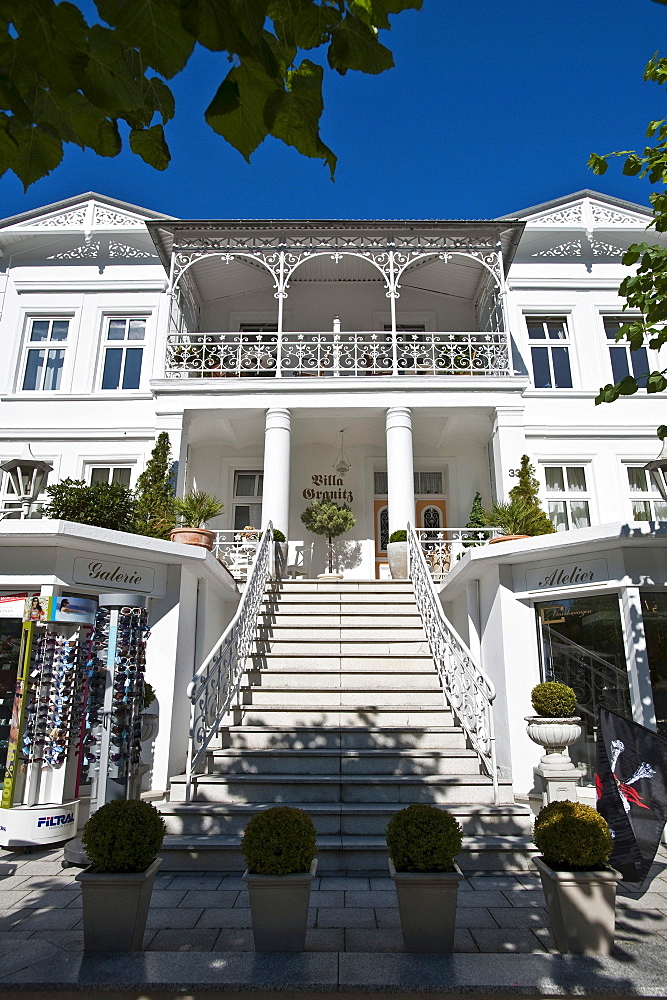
(123, 353)
(45, 354)
(121, 474)
(247, 505)
(623, 360)
(654, 613)
(568, 505)
(645, 499)
(549, 350)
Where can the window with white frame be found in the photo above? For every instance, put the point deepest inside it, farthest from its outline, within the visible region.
(45, 354)
(425, 483)
(123, 352)
(645, 499)
(121, 474)
(623, 360)
(549, 341)
(568, 496)
(247, 504)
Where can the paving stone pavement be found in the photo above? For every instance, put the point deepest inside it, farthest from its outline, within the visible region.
(40, 907)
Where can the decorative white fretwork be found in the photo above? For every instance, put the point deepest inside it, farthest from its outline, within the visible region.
(123, 250)
(85, 251)
(601, 249)
(75, 217)
(565, 217)
(107, 217)
(573, 248)
(603, 215)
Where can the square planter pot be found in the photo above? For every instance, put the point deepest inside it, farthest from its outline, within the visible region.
(115, 907)
(427, 907)
(581, 909)
(397, 557)
(279, 909)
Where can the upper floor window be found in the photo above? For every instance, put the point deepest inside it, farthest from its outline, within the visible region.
(123, 353)
(45, 354)
(568, 505)
(258, 327)
(247, 508)
(549, 351)
(647, 504)
(623, 360)
(121, 474)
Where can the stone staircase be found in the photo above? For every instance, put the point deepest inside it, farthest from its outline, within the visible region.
(341, 713)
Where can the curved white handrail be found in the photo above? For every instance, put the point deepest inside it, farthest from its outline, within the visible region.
(215, 685)
(467, 688)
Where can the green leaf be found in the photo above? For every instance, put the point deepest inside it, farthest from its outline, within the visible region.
(302, 23)
(632, 165)
(154, 27)
(598, 164)
(109, 81)
(151, 146)
(52, 38)
(656, 382)
(294, 115)
(355, 46)
(160, 96)
(237, 110)
(38, 152)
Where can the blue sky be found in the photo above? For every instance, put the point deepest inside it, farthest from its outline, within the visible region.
(491, 108)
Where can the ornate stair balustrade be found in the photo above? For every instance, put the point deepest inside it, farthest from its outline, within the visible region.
(468, 690)
(215, 685)
(291, 355)
(443, 546)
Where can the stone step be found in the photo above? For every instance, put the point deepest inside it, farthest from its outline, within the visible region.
(357, 663)
(342, 587)
(286, 789)
(349, 818)
(336, 620)
(327, 715)
(317, 737)
(327, 647)
(335, 633)
(332, 697)
(341, 763)
(347, 680)
(351, 610)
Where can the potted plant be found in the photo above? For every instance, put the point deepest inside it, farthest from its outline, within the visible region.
(279, 847)
(324, 517)
(280, 552)
(121, 840)
(521, 516)
(555, 725)
(397, 554)
(104, 505)
(156, 513)
(196, 509)
(580, 887)
(423, 842)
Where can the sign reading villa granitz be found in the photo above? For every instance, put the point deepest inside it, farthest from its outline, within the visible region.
(110, 575)
(332, 492)
(567, 575)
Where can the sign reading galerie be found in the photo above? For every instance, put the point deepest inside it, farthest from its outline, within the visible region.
(332, 491)
(567, 575)
(108, 574)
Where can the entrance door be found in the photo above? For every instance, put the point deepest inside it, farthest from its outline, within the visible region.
(430, 513)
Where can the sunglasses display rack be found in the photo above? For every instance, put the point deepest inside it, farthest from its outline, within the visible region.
(112, 740)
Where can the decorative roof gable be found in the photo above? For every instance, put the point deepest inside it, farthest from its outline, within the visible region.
(587, 210)
(88, 212)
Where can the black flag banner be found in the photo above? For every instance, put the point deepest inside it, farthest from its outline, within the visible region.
(631, 783)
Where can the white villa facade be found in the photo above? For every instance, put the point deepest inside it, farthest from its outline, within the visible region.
(429, 356)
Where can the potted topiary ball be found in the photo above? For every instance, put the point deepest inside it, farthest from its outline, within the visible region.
(279, 847)
(122, 840)
(555, 725)
(580, 887)
(397, 554)
(423, 842)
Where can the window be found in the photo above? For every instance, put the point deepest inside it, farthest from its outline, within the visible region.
(425, 483)
(647, 504)
(258, 327)
(44, 360)
(623, 360)
(110, 474)
(123, 353)
(551, 362)
(567, 492)
(247, 499)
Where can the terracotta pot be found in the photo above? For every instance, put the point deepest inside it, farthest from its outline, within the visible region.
(193, 536)
(506, 538)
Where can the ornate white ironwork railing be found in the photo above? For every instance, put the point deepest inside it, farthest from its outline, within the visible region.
(290, 355)
(236, 549)
(443, 546)
(215, 685)
(468, 690)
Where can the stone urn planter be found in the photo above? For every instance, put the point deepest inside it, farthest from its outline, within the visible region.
(427, 908)
(279, 909)
(397, 557)
(581, 908)
(115, 908)
(555, 736)
(193, 536)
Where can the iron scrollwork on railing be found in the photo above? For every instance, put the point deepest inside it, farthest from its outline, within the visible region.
(215, 685)
(468, 690)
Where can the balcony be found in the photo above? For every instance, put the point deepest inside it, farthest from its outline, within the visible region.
(326, 355)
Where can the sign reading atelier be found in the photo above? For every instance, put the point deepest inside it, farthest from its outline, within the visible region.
(333, 489)
(131, 576)
(567, 575)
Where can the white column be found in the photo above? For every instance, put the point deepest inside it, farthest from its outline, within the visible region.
(508, 444)
(400, 468)
(275, 502)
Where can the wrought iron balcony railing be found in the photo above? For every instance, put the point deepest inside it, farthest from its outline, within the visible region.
(290, 355)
